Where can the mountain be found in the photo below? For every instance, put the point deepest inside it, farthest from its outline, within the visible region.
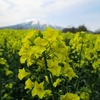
(35, 24)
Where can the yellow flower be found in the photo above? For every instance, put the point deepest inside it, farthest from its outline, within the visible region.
(8, 72)
(30, 35)
(57, 82)
(70, 96)
(26, 53)
(38, 90)
(50, 34)
(48, 93)
(22, 73)
(53, 67)
(29, 84)
(39, 50)
(40, 42)
(96, 64)
(85, 96)
(68, 71)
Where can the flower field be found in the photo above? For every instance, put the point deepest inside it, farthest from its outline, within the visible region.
(49, 65)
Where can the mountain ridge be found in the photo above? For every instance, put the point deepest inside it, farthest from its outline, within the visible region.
(35, 24)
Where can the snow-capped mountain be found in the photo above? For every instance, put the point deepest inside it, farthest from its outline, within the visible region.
(35, 24)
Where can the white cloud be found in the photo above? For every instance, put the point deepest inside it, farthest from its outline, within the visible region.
(37, 5)
(3, 6)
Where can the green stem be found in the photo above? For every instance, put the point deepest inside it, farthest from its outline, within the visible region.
(48, 75)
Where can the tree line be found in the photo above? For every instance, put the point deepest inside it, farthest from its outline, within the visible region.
(74, 29)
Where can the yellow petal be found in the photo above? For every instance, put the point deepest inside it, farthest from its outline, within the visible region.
(22, 73)
(57, 82)
(29, 84)
(38, 90)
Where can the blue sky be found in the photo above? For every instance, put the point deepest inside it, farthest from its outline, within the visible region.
(64, 13)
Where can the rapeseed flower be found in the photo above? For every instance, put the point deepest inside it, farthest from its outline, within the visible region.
(29, 84)
(22, 73)
(70, 96)
(38, 90)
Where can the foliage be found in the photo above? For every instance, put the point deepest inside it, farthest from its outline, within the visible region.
(74, 30)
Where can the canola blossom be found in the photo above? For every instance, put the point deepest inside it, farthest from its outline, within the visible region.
(50, 46)
(22, 73)
(70, 96)
(39, 90)
(29, 84)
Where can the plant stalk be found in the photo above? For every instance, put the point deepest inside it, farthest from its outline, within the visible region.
(48, 75)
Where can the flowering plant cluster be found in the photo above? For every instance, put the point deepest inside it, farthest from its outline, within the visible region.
(45, 53)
